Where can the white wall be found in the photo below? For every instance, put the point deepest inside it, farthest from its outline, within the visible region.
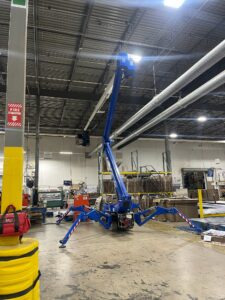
(77, 167)
(61, 167)
(184, 154)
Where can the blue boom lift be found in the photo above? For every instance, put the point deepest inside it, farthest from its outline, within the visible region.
(124, 213)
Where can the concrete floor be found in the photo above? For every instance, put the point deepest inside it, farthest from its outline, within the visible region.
(155, 261)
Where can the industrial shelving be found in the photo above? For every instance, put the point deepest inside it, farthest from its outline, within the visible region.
(131, 175)
(138, 173)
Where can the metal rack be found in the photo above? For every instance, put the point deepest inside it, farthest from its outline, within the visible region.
(143, 172)
(139, 173)
(133, 174)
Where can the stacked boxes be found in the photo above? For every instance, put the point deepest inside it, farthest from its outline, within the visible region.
(211, 195)
(189, 207)
(152, 184)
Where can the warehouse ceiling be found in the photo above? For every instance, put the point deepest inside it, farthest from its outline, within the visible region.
(72, 46)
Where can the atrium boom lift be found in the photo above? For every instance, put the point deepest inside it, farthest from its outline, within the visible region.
(123, 214)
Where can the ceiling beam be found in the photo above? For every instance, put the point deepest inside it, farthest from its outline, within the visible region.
(157, 61)
(36, 48)
(84, 26)
(2, 76)
(79, 44)
(96, 37)
(215, 19)
(209, 107)
(80, 96)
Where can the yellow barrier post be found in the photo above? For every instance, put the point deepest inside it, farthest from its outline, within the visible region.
(12, 184)
(200, 202)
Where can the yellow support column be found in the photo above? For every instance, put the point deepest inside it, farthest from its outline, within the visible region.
(13, 178)
(12, 185)
(19, 271)
(200, 202)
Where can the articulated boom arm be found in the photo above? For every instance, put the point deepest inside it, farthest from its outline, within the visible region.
(124, 212)
(125, 68)
(105, 219)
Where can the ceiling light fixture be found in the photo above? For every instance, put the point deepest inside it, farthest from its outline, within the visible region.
(65, 153)
(174, 3)
(173, 135)
(202, 119)
(136, 58)
(101, 112)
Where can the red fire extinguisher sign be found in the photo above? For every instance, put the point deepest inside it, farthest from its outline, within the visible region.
(14, 115)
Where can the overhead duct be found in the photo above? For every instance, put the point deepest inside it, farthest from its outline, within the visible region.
(196, 70)
(101, 102)
(180, 104)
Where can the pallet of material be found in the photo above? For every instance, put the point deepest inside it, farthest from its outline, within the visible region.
(189, 207)
(213, 235)
(213, 209)
(211, 195)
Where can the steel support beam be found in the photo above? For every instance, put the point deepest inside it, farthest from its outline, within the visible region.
(81, 96)
(209, 107)
(38, 104)
(2, 75)
(176, 35)
(167, 150)
(12, 186)
(37, 150)
(36, 50)
(102, 38)
(79, 44)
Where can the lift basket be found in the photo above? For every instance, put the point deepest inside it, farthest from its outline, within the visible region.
(14, 223)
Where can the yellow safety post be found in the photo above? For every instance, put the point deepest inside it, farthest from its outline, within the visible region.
(200, 202)
(12, 184)
(13, 178)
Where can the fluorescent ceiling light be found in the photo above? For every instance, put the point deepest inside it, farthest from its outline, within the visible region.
(173, 135)
(101, 112)
(202, 119)
(65, 153)
(174, 3)
(135, 58)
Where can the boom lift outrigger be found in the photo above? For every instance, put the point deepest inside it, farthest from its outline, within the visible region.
(124, 213)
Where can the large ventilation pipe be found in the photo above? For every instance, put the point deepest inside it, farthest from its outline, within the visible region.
(196, 70)
(180, 104)
(101, 102)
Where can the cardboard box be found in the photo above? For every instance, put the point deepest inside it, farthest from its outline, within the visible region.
(189, 207)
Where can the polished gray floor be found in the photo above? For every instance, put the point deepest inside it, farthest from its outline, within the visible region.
(156, 261)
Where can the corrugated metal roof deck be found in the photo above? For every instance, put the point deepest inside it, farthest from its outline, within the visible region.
(77, 41)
